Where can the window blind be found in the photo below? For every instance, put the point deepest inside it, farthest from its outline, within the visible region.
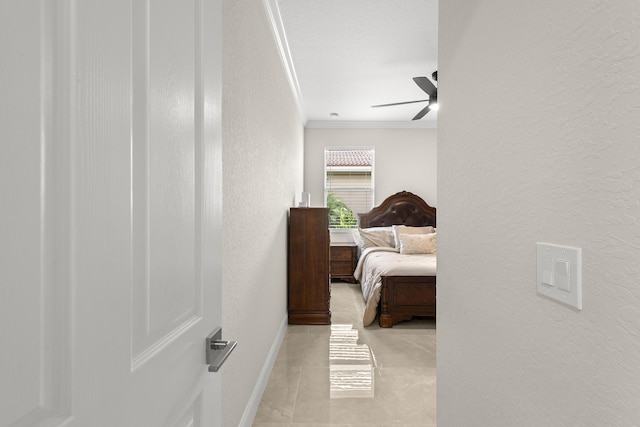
(348, 185)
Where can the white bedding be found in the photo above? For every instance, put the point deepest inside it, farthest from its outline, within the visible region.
(380, 261)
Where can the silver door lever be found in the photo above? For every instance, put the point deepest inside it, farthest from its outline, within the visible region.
(217, 350)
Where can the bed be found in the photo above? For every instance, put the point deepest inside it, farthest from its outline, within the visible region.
(398, 284)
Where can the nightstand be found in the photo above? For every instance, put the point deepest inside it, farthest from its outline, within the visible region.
(342, 259)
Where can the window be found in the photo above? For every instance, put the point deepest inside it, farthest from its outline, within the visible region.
(348, 184)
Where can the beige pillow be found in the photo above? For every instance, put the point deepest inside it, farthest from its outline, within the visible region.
(418, 243)
(372, 237)
(403, 229)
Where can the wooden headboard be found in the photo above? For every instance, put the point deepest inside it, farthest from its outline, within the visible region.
(403, 208)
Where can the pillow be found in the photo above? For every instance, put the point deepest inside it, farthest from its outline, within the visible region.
(376, 236)
(403, 229)
(355, 234)
(418, 243)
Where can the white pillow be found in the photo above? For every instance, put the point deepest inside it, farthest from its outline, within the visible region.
(403, 229)
(376, 236)
(418, 243)
(355, 234)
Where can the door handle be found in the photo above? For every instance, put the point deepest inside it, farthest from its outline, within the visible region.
(217, 350)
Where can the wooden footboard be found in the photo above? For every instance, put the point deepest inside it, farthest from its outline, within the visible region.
(403, 297)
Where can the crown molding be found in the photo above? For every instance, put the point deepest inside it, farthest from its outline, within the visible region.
(277, 28)
(412, 124)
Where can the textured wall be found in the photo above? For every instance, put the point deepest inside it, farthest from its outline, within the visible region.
(538, 140)
(405, 159)
(262, 167)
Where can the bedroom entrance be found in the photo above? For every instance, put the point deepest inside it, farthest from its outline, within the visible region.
(361, 367)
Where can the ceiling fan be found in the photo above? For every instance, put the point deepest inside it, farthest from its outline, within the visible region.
(429, 88)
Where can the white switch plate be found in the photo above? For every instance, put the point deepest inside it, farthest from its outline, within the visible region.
(560, 273)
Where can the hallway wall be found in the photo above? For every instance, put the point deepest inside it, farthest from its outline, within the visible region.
(538, 142)
(262, 169)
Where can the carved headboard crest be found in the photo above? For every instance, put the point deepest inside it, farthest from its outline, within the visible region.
(403, 208)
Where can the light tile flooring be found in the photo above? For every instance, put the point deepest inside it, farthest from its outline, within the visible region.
(351, 376)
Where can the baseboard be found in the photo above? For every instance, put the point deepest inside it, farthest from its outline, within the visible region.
(254, 401)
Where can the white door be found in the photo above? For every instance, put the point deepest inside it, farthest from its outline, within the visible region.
(110, 212)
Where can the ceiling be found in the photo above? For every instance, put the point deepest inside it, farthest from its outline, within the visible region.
(343, 56)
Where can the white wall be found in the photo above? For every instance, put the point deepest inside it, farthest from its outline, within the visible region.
(262, 167)
(405, 159)
(538, 140)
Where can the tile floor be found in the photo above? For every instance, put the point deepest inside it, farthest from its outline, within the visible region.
(351, 376)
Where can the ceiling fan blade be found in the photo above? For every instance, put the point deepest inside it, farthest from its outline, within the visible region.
(398, 103)
(422, 113)
(426, 85)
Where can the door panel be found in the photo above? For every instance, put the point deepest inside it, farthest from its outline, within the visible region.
(35, 376)
(166, 295)
(110, 180)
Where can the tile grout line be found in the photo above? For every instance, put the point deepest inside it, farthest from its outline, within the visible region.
(297, 394)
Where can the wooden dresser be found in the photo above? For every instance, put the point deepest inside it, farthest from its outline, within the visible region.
(343, 261)
(309, 284)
